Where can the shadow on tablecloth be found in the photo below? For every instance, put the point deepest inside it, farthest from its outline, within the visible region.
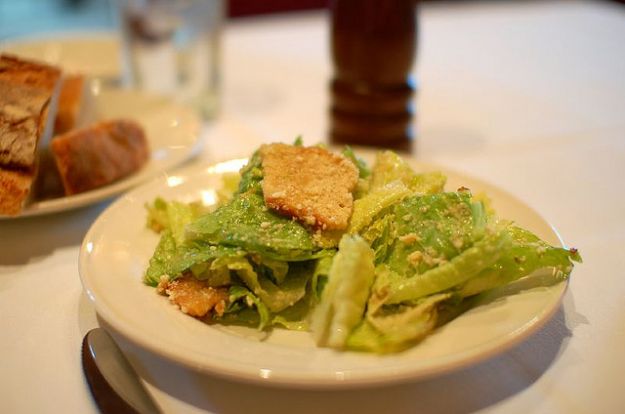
(27, 239)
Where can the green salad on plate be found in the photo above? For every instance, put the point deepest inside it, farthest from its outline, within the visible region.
(364, 257)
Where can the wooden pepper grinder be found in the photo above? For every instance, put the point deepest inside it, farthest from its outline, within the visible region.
(373, 49)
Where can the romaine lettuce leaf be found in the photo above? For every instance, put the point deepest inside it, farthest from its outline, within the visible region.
(320, 275)
(171, 260)
(229, 186)
(391, 167)
(296, 317)
(364, 173)
(274, 270)
(381, 236)
(179, 215)
(276, 297)
(396, 329)
(251, 175)
(483, 253)
(526, 254)
(272, 305)
(157, 215)
(344, 297)
(245, 308)
(363, 169)
(160, 260)
(247, 224)
(172, 215)
(430, 230)
(374, 203)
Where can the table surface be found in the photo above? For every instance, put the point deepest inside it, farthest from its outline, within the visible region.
(529, 96)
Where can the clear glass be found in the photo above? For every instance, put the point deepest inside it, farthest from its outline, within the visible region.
(172, 48)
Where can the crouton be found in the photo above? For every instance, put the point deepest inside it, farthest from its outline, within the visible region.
(194, 297)
(310, 184)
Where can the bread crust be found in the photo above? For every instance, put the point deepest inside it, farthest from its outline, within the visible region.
(14, 190)
(100, 154)
(22, 118)
(70, 103)
(29, 73)
(27, 92)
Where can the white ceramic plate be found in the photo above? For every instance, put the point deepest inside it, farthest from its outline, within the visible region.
(173, 133)
(116, 250)
(94, 53)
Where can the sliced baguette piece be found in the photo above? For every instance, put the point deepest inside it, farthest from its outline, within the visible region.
(94, 156)
(14, 190)
(29, 73)
(75, 109)
(28, 95)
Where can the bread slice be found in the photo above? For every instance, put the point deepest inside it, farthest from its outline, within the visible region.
(100, 154)
(14, 189)
(36, 75)
(310, 184)
(75, 108)
(28, 95)
(22, 121)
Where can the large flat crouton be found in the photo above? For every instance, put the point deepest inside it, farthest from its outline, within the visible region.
(310, 184)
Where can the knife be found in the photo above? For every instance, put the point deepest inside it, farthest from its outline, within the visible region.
(114, 384)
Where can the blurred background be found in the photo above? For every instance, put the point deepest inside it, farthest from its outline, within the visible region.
(27, 17)
(24, 17)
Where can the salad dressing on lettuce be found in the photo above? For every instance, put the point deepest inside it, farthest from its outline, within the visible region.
(368, 259)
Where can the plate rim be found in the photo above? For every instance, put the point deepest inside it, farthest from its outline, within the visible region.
(325, 380)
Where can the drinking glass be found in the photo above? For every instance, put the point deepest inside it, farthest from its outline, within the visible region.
(171, 47)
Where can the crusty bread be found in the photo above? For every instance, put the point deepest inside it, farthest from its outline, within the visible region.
(14, 190)
(97, 155)
(28, 92)
(29, 73)
(310, 184)
(22, 119)
(71, 104)
(32, 75)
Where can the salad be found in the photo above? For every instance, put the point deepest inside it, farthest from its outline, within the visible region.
(365, 258)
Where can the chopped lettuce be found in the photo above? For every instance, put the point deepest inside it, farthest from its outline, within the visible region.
(171, 260)
(320, 275)
(396, 329)
(161, 259)
(369, 206)
(246, 223)
(251, 176)
(391, 167)
(363, 169)
(459, 269)
(245, 308)
(276, 297)
(172, 215)
(413, 257)
(343, 301)
(526, 254)
(157, 215)
(229, 185)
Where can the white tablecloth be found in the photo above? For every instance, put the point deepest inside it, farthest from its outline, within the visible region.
(527, 95)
